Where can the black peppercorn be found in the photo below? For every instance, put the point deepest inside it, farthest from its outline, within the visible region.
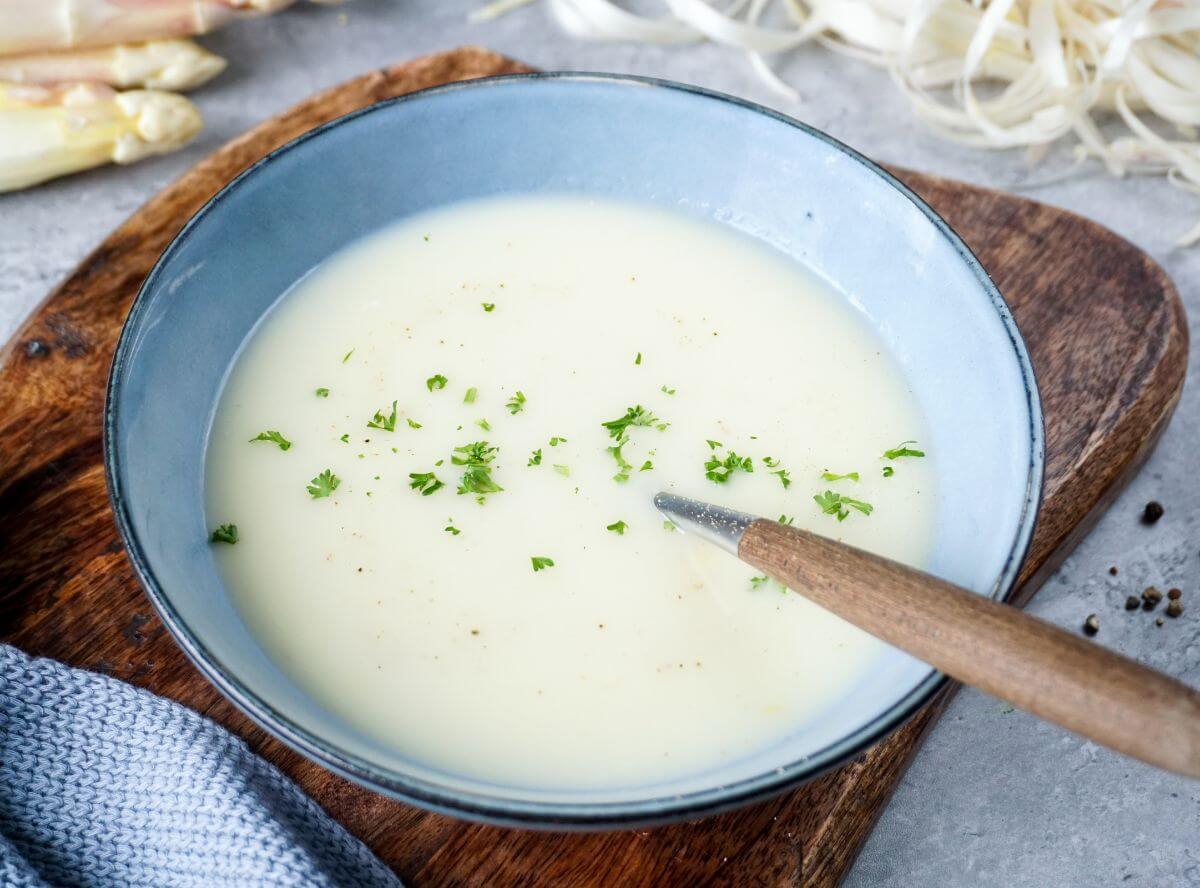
(1153, 511)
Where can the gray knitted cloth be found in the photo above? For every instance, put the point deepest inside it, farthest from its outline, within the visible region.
(103, 784)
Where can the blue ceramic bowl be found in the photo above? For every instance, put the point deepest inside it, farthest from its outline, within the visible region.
(700, 153)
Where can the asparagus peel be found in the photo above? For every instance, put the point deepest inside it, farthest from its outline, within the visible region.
(35, 25)
(52, 131)
(158, 64)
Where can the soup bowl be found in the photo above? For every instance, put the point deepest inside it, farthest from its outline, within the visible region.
(703, 154)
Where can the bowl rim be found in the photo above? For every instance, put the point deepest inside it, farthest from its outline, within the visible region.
(495, 809)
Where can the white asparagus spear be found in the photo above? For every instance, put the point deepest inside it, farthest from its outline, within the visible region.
(174, 65)
(52, 131)
(32, 25)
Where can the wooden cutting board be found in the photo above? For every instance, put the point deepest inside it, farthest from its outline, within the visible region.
(1108, 339)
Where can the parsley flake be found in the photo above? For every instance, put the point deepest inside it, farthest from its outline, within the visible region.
(540, 562)
(412, 423)
(384, 423)
(426, 482)
(436, 382)
(226, 533)
(535, 458)
(638, 359)
(667, 525)
(346, 357)
(554, 442)
(345, 439)
(516, 403)
(270, 435)
(784, 519)
(618, 527)
(451, 529)
(719, 471)
(888, 471)
(832, 476)
(488, 306)
(484, 424)
(470, 396)
(565, 471)
(323, 485)
(322, 393)
(832, 503)
(477, 458)
(667, 391)
(634, 416)
(784, 476)
(902, 449)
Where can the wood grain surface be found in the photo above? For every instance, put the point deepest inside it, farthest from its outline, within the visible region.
(1108, 341)
(1036, 666)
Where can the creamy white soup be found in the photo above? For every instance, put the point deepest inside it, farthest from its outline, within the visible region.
(430, 476)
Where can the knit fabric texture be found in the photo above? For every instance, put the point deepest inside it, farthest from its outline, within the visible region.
(103, 784)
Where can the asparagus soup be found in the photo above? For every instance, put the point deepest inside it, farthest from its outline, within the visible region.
(430, 474)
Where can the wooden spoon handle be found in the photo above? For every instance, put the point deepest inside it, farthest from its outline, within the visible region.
(994, 647)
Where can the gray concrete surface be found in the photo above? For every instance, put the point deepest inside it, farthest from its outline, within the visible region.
(995, 797)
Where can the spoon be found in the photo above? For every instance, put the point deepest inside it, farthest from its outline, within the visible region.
(995, 647)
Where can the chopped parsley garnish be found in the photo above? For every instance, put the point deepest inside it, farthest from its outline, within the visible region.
(638, 359)
(618, 527)
(488, 306)
(226, 533)
(436, 382)
(667, 391)
(426, 482)
(412, 423)
(761, 580)
(668, 525)
(902, 449)
(346, 357)
(565, 471)
(554, 442)
(634, 416)
(323, 485)
(535, 458)
(646, 466)
(516, 403)
(624, 466)
(345, 439)
(477, 458)
(784, 519)
(832, 476)
(484, 424)
(713, 445)
(618, 429)
(769, 461)
(540, 562)
(784, 476)
(451, 529)
(719, 471)
(271, 435)
(322, 393)
(385, 423)
(470, 396)
(832, 503)
(888, 471)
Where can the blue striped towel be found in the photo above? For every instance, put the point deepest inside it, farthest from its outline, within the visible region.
(103, 784)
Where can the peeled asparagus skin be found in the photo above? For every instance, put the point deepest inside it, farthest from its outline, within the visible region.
(47, 132)
(174, 65)
(36, 25)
